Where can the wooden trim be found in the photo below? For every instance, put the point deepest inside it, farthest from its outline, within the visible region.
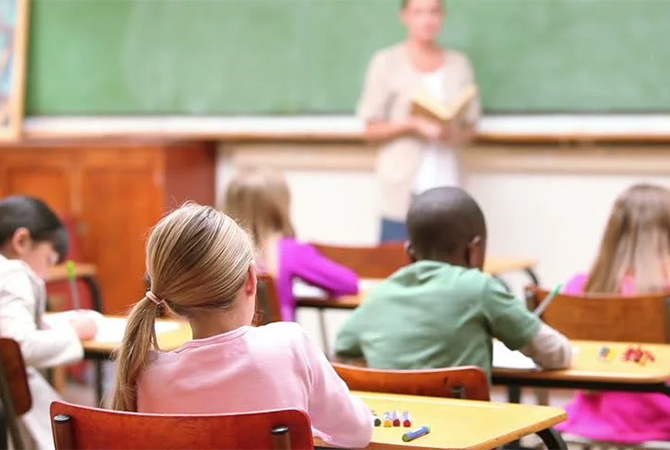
(589, 159)
(283, 156)
(570, 138)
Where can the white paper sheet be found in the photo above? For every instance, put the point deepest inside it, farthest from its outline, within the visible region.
(504, 358)
(110, 329)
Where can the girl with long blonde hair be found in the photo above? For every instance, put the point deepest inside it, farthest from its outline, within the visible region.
(633, 258)
(260, 201)
(201, 267)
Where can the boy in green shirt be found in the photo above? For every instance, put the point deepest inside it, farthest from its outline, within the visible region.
(442, 310)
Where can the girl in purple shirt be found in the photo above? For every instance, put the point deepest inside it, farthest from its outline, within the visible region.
(634, 258)
(260, 201)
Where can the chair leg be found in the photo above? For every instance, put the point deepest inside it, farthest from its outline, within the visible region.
(63, 433)
(281, 438)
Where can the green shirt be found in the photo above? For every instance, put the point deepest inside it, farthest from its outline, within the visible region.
(432, 315)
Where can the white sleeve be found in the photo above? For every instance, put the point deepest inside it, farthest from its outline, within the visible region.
(40, 348)
(341, 418)
(549, 349)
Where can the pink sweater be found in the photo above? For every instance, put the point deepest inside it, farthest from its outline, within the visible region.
(617, 416)
(253, 369)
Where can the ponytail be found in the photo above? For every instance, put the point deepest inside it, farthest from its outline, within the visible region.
(138, 340)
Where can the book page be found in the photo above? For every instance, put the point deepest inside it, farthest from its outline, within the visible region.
(504, 358)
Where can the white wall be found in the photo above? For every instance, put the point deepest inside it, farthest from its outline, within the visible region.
(550, 204)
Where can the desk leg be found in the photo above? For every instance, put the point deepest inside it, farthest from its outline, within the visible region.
(513, 393)
(324, 331)
(552, 439)
(533, 276)
(99, 380)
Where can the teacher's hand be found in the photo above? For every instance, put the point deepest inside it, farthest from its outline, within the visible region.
(426, 128)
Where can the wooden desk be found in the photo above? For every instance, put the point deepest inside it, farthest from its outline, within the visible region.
(462, 424)
(167, 341)
(101, 350)
(590, 372)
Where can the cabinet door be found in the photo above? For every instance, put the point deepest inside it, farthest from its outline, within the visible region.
(122, 199)
(46, 173)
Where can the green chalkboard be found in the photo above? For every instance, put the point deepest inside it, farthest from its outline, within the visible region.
(309, 56)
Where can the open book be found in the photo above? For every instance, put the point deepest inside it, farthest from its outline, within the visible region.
(425, 105)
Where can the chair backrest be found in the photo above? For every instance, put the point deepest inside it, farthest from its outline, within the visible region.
(79, 427)
(14, 390)
(267, 301)
(643, 318)
(368, 262)
(466, 382)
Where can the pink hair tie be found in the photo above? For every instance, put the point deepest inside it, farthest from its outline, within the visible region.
(151, 296)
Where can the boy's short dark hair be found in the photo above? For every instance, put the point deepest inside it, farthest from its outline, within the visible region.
(22, 211)
(442, 221)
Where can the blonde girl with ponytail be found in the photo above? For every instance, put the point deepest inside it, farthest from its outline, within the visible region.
(201, 266)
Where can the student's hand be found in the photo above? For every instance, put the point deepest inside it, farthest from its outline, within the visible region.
(85, 325)
(426, 128)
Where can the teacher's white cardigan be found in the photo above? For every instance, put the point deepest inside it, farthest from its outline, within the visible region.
(390, 83)
(22, 303)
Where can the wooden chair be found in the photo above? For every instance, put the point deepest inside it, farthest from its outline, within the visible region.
(368, 262)
(268, 308)
(467, 382)
(14, 392)
(643, 318)
(79, 427)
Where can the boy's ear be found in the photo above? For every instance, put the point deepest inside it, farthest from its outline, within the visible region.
(476, 252)
(410, 251)
(20, 242)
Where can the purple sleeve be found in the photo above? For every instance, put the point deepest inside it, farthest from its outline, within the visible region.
(304, 261)
(576, 284)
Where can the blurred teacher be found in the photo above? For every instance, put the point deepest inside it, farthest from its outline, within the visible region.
(416, 154)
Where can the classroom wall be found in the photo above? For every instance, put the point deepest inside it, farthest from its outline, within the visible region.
(549, 203)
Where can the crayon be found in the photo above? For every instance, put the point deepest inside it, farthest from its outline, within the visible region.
(377, 420)
(604, 352)
(387, 420)
(650, 356)
(406, 421)
(396, 419)
(643, 359)
(414, 434)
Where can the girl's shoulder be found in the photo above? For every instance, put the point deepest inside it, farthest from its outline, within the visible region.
(16, 276)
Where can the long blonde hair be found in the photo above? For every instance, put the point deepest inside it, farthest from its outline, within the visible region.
(260, 201)
(197, 258)
(636, 243)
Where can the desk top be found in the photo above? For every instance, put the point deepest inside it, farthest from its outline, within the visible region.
(171, 334)
(492, 266)
(588, 366)
(458, 424)
(59, 272)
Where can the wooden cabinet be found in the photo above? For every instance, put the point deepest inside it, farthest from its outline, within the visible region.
(114, 193)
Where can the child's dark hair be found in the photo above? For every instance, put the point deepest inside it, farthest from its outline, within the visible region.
(442, 221)
(22, 211)
(404, 3)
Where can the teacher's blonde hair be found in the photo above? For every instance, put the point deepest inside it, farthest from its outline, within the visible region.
(197, 259)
